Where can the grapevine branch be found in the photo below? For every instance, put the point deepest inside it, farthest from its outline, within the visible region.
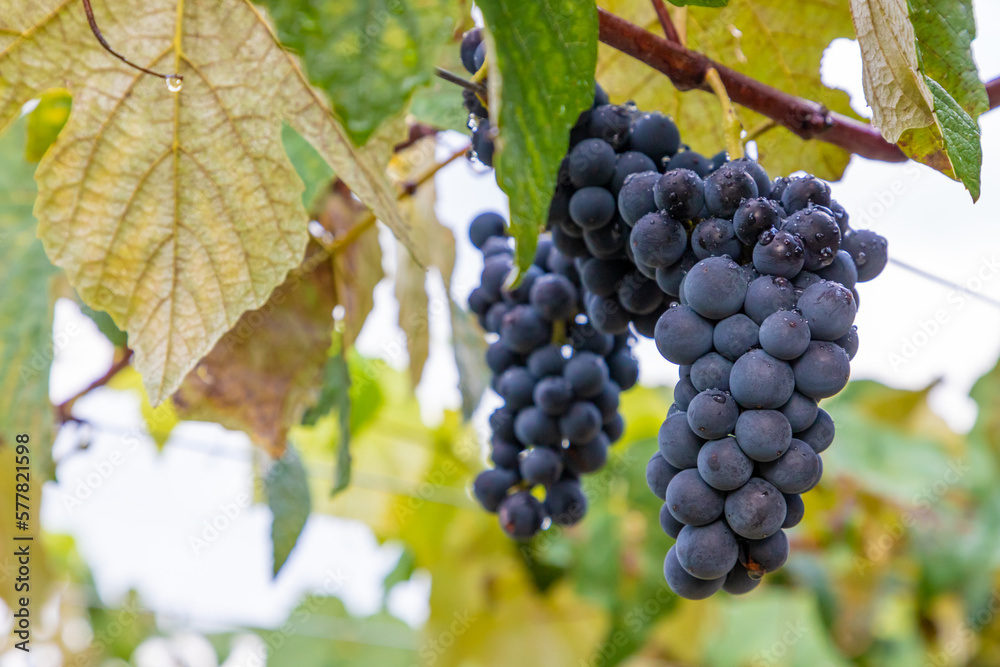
(64, 411)
(669, 29)
(993, 92)
(688, 69)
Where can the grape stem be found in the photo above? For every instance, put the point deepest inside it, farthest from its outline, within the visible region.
(669, 30)
(64, 411)
(107, 47)
(688, 69)
(451, 77)
(731, 126)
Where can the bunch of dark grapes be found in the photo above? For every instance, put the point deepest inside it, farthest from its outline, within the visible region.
(559, 378)
(763, 274)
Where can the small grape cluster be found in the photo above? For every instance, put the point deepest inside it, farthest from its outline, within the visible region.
(559, 378)
(473, 54)
(765, 276)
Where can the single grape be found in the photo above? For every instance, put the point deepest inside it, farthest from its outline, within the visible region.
(553, 395)
(635, 197)
(602, 277)
(738, 581)
(639, 295)
(592, 207)
(714, 237)
(683, 584)
(491, 487)
(505, 454)
(607, 401)
(785, 334)
(682, 335)
(849, 341)
(499, 357)
(819, 233)
(591, 163)
(759, 381)
(822, 371)
(684, 393)
(523, 329)
(820, 434)
(502, 424)
(735, 336)
(482, 143)
(801, 191)
(715, 288)
(479, 56)
(668, 523)
(606, 315)
(760, 177)
(829, 308)
(655, 135)
(554, 296)
(533, 427)
(692, 501)
(711, 372)
(607, 242)
(587, 374)
(614, 428)
(628, 163)
(587, 457)
(612, 124)
(485, 226)
(678, 444)
(521, 292)
(796, 471)
(712, 414)
(800, 411)
(756, 510)
(795, 510)
(723, 465)
(659, 474)
(755, 216)
(658, 240)
(778, 253)
(516, 386)
(546, 361)
(584, 338)
(623, 368)
(870, 252)
(707, 552)
(581, 422)
(470, 42)
(681, 193)
(541, 465)
(521, 515)
(688, 159)
(778, 187)
(565, 502)
(766, 555)
(768, 294)
(806, 279)
(495, 271)
(669, 278)
(725, 190)
(542, 251)
(842, 270)
(763, 435)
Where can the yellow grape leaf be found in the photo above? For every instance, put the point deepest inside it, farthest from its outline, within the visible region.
(435, 243)
(773, 41)
(174, 212)
(160, 420)
(261, 376)
(895, 89)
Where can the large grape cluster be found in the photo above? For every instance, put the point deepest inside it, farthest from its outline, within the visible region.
(762, 329)
(559, 378)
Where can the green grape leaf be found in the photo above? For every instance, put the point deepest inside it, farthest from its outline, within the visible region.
(470, 357)
(287, 486)
(542, 55)
(922, 83)
(764, 39)
(46, 121)
(309, 165)
(175, 212)
(26, 300)
(106, 326)
(369, 56)
(336, 393)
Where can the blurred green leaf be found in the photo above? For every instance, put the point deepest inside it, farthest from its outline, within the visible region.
(309, 165)
(542, 55)
(470, 357)
(288, 498)
(46, 121)
(105, 325)
(369, 56)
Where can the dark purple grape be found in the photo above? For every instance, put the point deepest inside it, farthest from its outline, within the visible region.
(678, 444)
(688, 159)
(711, 372)
(870, 252)
(491, 487)
(714, 237)
(800, 411)
(754, 217)
(723, 465)
(611, 123)
(842, 270)
(682, 335)
(546, 361)
(849, 341)
(768, 294)
(554, 296)
(735, 336)
(553, 395)
(707, 552)
(635, 197)
(586, 373)
(692, 501)
(738, 581)
(591, 163)
(589, 456)
(658, 240)
(819, 233)
(659, 474)
(785, 334)
(681, 193)
(541, 465)
(524, 329)
(801, 191)
(470, 42)
(726, 188)
(820, 434)
(533, 427)
(485, 226)
(796, 471)
(759, 381)
(581, 422)
(655, 135)
(779, 253)
(683, 584)
(592, 207)
(565, 502)
(715, 288)
(766, 555)
(521, 515)
(763, 435)
(795, 510)
(756, 510)
(628, 163)
(822, 371)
